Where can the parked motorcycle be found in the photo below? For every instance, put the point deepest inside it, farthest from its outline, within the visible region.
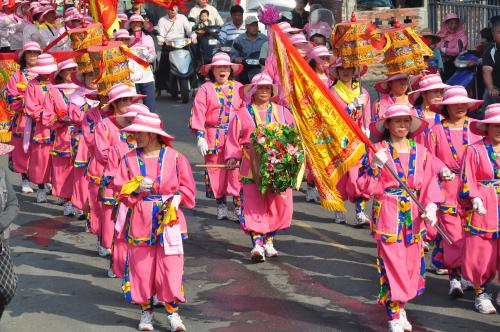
(182, 77)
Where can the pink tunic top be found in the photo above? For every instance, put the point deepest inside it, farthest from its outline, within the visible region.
(481, 178)
(95, 168)
(35, 96)
(171, 173)
(358, 118)
(15, 91)
(388, 224)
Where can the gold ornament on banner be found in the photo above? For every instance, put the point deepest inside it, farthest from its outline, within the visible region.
(81, 40)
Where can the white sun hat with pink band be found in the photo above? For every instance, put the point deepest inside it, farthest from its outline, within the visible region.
(417, 126)
(5, 148)
(148, 26)
(134, 110)
(337, 63)
(454, 95)
(122, 33)
(426, 83)
(259, 79)
(122, 90)
(287, 28)
(299, 39)
(221, 59)
(317, 52)
(383, 86)
(45, 65)
(122, 17)
(149, 123)
(66, 64)
(491, 116)
(30, 46)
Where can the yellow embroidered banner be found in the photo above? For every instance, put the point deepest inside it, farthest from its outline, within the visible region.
(333, 142)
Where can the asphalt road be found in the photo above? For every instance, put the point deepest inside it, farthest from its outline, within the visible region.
(324, 280)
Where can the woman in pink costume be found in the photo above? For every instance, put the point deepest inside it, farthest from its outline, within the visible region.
(393, 90)
(56, 118)
(319, 58)
(447, 141)
(216, 103)
(429, 91)
(107, 138)
(80, 104)
(15, 91)
(397, 225)
(155, 179)
(261, 215)
(356, 101)
(39, 168)
(453, 42)
(480, 182)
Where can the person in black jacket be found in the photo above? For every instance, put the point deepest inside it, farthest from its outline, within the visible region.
(300, 16)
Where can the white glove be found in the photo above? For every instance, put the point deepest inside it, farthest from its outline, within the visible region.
(146, 185)
(446, 174)
(202, 146)
(477, 205)
(176, 200)
(379, 159)
(360, 100)
(430, 214)
(366, 131)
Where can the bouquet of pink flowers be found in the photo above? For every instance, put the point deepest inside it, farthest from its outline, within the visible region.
(280, 152)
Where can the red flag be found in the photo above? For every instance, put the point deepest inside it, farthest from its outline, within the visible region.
(169, 4)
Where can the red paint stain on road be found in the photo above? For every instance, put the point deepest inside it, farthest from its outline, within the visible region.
(41, 231)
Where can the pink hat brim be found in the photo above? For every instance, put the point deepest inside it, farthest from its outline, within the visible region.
(135, 128)
(5, 148)
(472, 104)
(43, 70)
(479, 127)
(335, 75)
(383, 86)
(247, 88)
(148, 26)
(413, 95)
(135, 97)
(236, 67)
(417, 126)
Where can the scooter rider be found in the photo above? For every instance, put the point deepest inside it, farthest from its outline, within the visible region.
(170, 26)
(247, 46)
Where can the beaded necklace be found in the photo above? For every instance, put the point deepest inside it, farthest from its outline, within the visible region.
(226, 105)
(142, 166)
(256, 116)
(492, 157)
(465, 138)
(421, 114)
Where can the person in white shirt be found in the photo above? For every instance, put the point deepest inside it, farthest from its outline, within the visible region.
(173, 25)
(214, 17)
(49, 29)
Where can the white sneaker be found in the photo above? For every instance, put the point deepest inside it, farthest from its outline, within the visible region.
(41, 196)
(312, 194)
(103, 252)
(48, 187)
(68, 209)
(440, 271)
(361, 220)
(174, 323)
(146, 323)
(59, 201)
(339, 217)
(111, 274)
(270, 250)
(233, 215)
(222, 211)
(466, 284)
(395, 326)
(26, 187)
(77, 212)
(455, 289)
(258, 254)
(403, 321)
(483, 304)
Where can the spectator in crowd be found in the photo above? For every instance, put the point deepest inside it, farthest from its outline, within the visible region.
(203, 20)
(491, 68)
(213, 14)
(248, 46)
(435, 62)
(138, 8)
(299, 15)
(232, 29)
(172, 25)
(9, 208)
(318, 39)
(453, 42)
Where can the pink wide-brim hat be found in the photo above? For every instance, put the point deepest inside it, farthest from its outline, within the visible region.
(47, 10)
(451, 16)
(134, 110)
(417, 126)
(299, 39)
(426, 83)
(148, 26)
(37, 10)
(45, 65)
(5, 148)
(317, 52)
(287, 28)
(383, 86)
(122, 17)
(221, 59)
(259, 79)
(454, 95)
(122, 90)
(149, 123)
(122, 33)
(66, 64)
(30, 46)
(337, 63)
(73, 17)
(491, 116)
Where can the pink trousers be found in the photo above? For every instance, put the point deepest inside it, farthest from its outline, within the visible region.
(453, 227)
(20, 160)
(62, 177)
(39, 167)
(95, 224)
(222, 181)
(152, 272)
(80, 189)
(481, 259)
(403, 267)
(107, 226)
(119, 254)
